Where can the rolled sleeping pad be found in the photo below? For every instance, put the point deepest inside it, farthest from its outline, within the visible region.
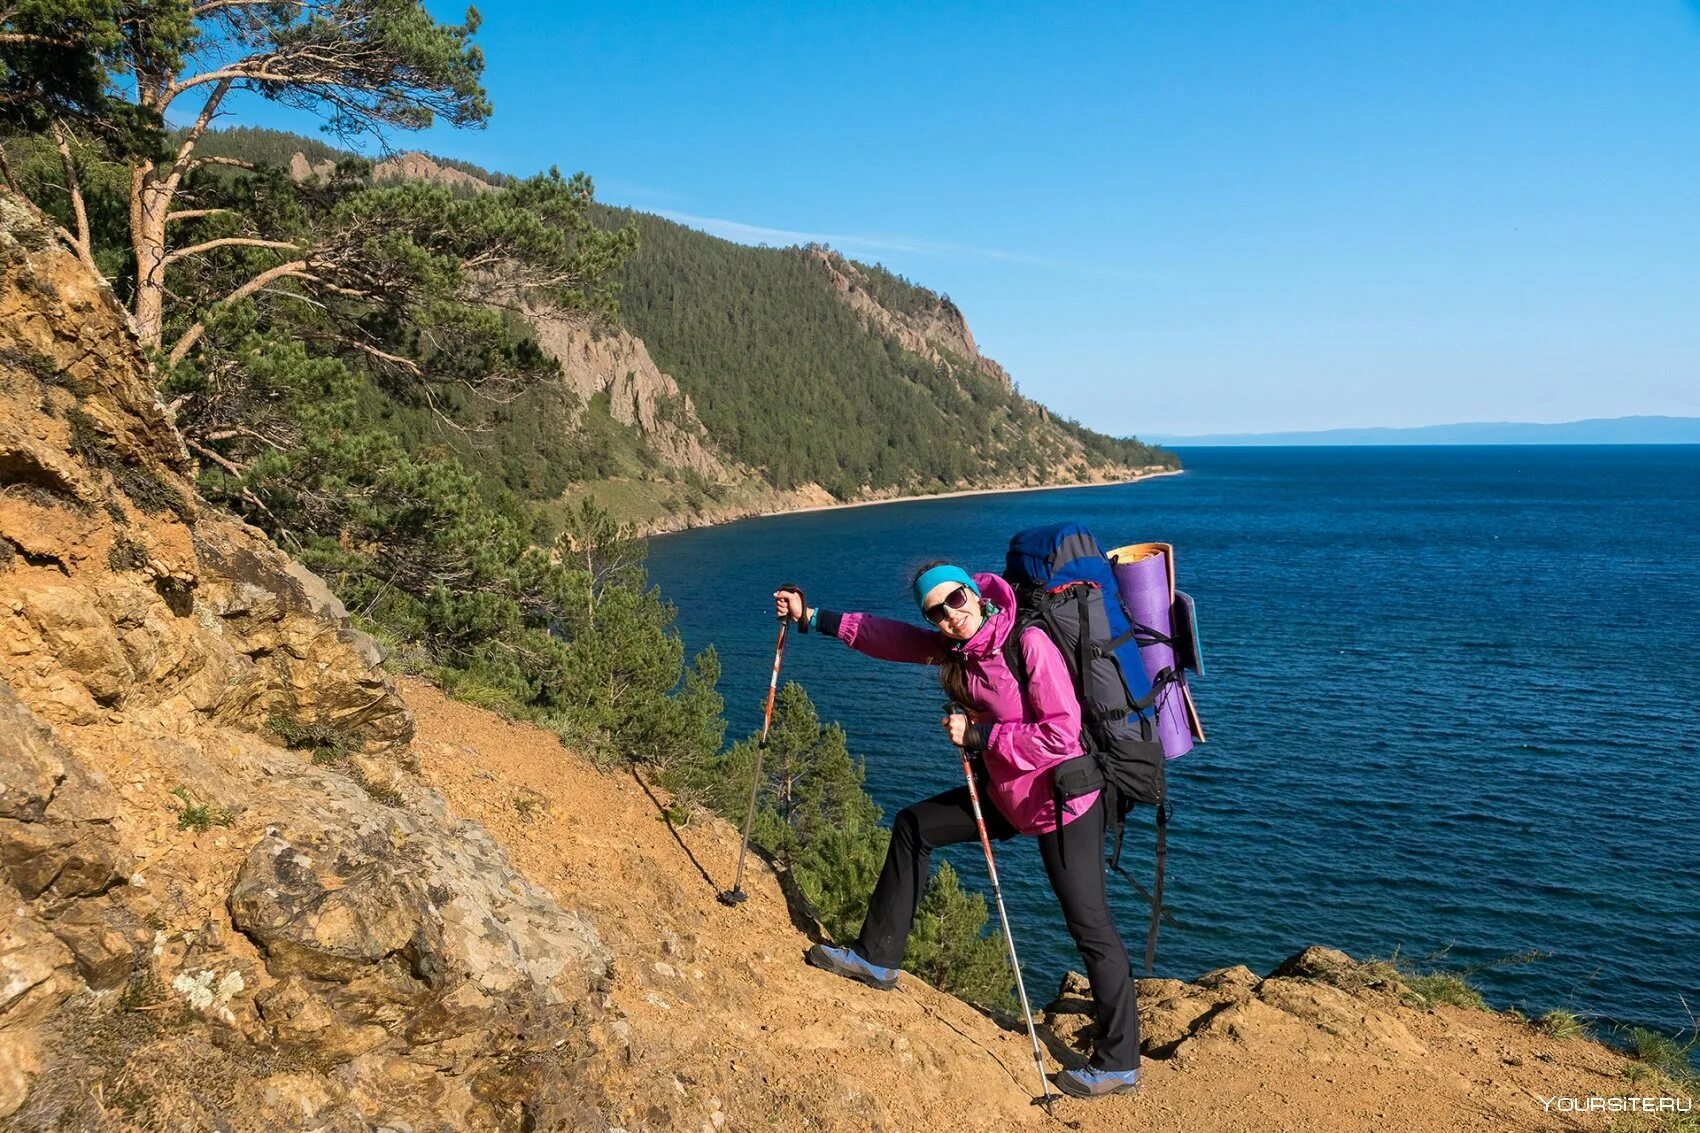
(1145, 574)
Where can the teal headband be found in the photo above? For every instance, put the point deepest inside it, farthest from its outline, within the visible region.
(932, 576)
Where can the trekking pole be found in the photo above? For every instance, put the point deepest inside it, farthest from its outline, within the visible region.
(736, 894)
(1003, 915)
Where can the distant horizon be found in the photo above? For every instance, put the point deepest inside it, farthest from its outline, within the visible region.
(1634, 429)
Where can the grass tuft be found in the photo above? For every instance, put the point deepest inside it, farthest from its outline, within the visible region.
(199, 817)
(1561, 1024)
(328, 743)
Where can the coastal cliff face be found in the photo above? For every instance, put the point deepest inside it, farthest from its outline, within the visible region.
(248, 881)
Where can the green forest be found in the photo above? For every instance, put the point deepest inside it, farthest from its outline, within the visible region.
(788, 379)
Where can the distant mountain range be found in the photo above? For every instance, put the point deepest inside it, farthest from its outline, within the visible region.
(1595, 431)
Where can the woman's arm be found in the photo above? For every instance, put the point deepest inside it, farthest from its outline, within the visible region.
(1054, 735)
(883, 638)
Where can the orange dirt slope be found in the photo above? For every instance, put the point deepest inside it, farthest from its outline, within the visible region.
(715, 1023)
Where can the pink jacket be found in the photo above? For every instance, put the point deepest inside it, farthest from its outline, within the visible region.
(1029, 734)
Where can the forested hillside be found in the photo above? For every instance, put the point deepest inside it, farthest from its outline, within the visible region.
(791, 378)
(805, 371)
(801, 376)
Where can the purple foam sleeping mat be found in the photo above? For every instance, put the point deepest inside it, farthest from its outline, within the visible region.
(1145, 573)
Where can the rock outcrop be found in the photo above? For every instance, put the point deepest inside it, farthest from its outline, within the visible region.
(422, 167)
(199, 928)
(607, 359)
(937, 332)
(301, 169)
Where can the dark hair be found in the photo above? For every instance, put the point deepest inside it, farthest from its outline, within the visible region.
(953, 675)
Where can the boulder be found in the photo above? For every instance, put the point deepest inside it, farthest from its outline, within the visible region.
(1315, 963)
(327, 910)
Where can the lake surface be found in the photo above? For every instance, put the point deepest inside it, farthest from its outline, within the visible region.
(1452, 701)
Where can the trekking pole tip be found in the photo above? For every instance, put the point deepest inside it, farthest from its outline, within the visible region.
(732, 897)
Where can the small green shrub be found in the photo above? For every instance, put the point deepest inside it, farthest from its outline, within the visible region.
(1663, 1054)
(199, 817)
(528, 806)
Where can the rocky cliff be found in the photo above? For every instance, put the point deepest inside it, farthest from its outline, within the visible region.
(249, 882)
(202, 927)
(936, 330)
(606, 359)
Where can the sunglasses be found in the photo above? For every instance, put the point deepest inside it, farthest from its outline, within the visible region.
(955, 600)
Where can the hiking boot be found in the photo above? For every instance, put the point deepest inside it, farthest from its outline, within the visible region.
(846, 963)
(1088, 1082)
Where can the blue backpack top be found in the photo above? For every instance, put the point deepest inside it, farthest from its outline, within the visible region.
(1046, 559)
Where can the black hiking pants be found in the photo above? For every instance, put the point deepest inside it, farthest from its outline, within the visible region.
(1074, 861)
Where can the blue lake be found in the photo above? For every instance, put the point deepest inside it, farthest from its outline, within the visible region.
(1451, 704)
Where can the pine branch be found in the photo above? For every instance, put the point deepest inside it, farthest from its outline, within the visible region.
(193, 335)
(228, 242)
(80, 241)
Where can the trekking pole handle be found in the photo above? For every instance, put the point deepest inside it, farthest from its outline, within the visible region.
(951, 708)
(802, 601)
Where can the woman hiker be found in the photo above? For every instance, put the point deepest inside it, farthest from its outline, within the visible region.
(1019, 734)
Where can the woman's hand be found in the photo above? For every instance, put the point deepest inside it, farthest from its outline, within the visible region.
(956, 727)
(788, 604)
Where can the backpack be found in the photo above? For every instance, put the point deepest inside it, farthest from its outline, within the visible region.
(1065, 585)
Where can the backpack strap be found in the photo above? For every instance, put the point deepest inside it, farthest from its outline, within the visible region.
(1164, 809)
(1012, 655)
(1143, 634)
(1113, 814)
(1084, 649)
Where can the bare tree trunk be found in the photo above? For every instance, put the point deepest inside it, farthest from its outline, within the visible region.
(149, 202)
(151, 193)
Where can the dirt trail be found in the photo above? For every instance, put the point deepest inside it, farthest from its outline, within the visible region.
(716, 1023)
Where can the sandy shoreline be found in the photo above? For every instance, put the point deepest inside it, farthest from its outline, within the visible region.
(912, 499)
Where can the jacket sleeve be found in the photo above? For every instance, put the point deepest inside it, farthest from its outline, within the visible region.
(884, 638)
(1053, 734)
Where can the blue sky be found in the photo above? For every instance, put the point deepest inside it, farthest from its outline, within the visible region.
(1184, 217)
